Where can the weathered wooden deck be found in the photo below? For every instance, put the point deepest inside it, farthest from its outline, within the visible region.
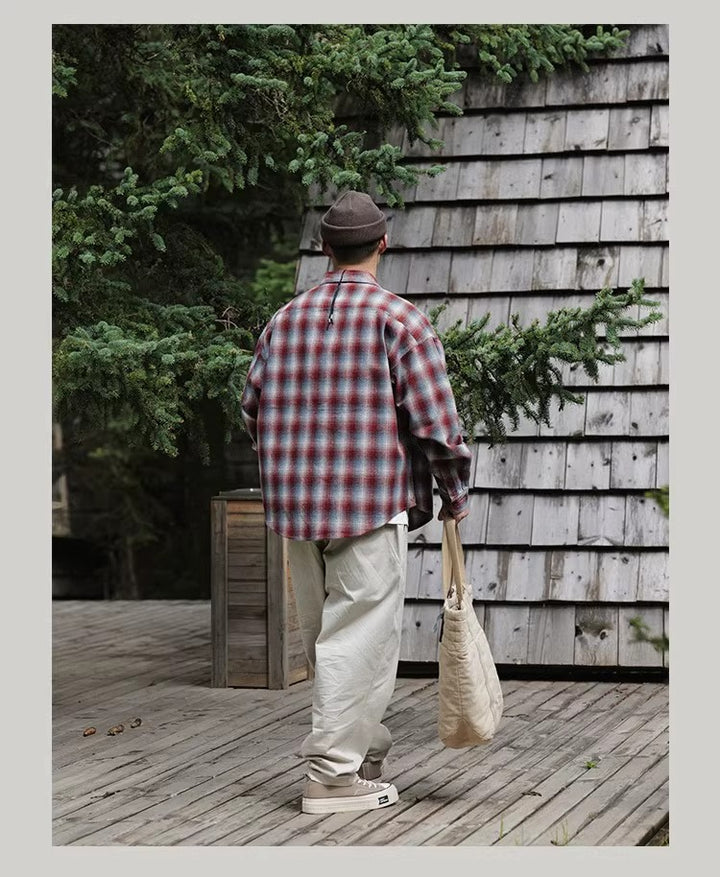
(576, 763)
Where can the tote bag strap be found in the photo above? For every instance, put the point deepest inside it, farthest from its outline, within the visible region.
(453, 562)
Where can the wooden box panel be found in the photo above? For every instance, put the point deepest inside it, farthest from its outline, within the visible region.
(256, 640)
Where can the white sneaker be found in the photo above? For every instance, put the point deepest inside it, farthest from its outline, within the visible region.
(359, 795)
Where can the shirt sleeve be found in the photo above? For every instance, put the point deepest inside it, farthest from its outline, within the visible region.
(250, 402)
(423, 391)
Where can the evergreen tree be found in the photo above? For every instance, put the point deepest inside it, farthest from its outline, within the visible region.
(183, 156)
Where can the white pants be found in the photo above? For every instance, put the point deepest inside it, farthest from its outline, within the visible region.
(349, 595)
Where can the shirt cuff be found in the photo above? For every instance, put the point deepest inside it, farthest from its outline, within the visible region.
(454, 506)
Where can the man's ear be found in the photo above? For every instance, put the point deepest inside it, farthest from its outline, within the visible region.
(382, 246)
(327, 250)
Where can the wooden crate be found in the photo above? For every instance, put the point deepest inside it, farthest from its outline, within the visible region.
(256, 639)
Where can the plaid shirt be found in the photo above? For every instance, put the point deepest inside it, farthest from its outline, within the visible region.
(348, 403)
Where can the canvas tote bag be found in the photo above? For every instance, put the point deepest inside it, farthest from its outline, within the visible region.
(470, 701)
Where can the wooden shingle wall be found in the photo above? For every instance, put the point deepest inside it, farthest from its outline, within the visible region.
(552, 191)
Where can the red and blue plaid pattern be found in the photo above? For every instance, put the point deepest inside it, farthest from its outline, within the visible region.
(348, 403)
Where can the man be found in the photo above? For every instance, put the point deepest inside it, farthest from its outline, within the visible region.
(348, 403)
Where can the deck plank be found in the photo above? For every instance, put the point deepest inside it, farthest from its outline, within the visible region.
(217, 766)
(646, 819)
(481, 816)
(632, 806)
(595, 789)
(245, 763)
(515, 821)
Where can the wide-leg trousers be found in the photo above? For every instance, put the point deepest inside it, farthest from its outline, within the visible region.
(349, 595)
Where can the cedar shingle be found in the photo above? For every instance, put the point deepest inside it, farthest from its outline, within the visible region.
(629, 128)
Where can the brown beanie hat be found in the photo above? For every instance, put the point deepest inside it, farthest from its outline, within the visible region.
(352, 220)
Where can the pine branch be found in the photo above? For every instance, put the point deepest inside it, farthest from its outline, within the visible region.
(509, 51)
(660, 643)
(511, 371)
(661, 497)
(154, 374)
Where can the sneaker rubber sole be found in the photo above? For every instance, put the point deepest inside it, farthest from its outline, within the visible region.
(352, 802)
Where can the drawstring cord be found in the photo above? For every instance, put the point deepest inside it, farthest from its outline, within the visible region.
(332, 303)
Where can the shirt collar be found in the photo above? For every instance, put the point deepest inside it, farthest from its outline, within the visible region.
(349, 275)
